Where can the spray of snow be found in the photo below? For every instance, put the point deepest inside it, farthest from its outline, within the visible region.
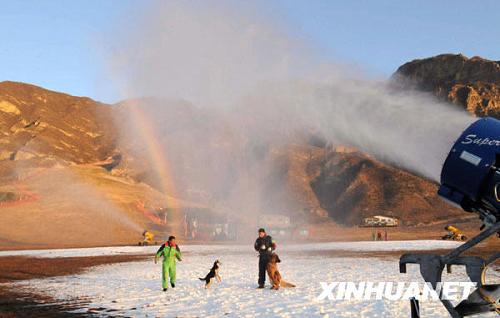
(249, 83)
(68, 186)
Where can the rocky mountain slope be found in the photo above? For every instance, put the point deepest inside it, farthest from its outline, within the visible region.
(38, 124)
(56, 187)
(352, 185)
(64, 160)
(472, 83)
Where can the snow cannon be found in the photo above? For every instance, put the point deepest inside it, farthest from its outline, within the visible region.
(470, 178)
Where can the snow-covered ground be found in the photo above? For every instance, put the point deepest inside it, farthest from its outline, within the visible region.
(361, 246)
(134, 289)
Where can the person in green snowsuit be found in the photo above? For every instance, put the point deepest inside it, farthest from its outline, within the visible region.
(170, 252)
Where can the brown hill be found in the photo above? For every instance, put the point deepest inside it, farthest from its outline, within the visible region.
(41, 124)
(473, 83)
(54, 146)
(352, 185)
(57, 188)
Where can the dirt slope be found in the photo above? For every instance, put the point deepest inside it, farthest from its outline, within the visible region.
(67, 180)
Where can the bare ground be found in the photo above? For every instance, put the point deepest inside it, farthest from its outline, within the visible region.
(18, 303)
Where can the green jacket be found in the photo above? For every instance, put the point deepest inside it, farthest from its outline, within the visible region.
(169, 254)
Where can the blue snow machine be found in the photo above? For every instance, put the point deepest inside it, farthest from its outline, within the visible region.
(470, 179)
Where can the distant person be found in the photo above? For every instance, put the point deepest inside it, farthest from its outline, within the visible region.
(170, 252)
(148, 237)
(265, 245)
(385, 235)
(186, 226)
(379, 236)
(226, 230)
(195, 228)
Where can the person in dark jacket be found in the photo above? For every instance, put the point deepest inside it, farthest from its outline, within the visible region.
(265, 245)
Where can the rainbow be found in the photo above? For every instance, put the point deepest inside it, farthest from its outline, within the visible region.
(158, 158)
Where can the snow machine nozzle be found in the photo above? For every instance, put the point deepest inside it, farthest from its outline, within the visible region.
(470, 178)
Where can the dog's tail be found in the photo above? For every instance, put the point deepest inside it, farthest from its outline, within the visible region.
(286, 284)
(201, 278)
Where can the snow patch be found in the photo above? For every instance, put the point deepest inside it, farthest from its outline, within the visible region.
(362, 246)
(134, 289)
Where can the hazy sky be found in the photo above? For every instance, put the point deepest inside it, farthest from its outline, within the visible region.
(60, 44)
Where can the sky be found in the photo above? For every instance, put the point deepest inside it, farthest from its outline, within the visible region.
(60, 44)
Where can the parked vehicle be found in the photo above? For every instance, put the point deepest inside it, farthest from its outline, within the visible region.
(380, 221)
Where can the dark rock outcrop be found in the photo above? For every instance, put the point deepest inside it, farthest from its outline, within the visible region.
(473, 83)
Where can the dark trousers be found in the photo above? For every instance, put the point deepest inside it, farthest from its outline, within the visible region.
(263, 260)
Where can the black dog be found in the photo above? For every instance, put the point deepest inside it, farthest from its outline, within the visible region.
(214, 273)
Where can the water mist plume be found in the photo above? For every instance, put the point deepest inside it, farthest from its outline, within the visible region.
(241, 83)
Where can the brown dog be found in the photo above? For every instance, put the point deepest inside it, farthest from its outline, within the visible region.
(274, 274)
